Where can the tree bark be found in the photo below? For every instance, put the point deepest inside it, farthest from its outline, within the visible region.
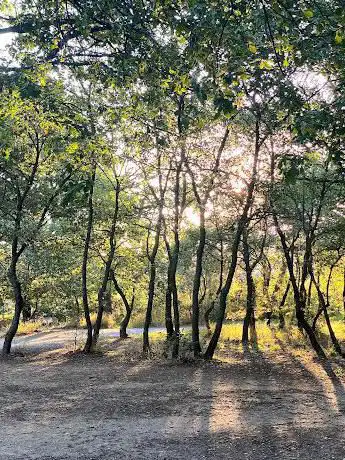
(107, 268)
(19, 304)
(281, 305)
(85, 297)
(128, 306)
(220, 284)
(324, 305)
(299, 299)
(249, 319)
(234, 250)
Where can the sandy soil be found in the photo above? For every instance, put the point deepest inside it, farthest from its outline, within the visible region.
(58, 405)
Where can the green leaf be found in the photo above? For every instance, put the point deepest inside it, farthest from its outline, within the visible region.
(339, 37)
(308, 13)
(252, 47)
(266, 64)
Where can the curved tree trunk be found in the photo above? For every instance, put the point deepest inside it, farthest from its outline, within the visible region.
(107, 269)
(324, 305)
(128, 306)
(299, 299)
(19, 304)
(234, 250)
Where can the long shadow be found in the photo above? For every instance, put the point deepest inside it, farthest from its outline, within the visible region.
(338, 385)
(95, 406)
(303, 406)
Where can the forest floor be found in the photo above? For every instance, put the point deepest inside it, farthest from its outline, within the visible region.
(56, 404)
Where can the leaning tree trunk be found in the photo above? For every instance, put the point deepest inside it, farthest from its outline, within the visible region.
(299, 300)
(88, 343)
(127, 318)
(107, 269)
(127, 305)
(234, 250)
(324, 305)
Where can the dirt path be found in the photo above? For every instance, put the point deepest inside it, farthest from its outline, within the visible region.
(58, 339)
(66, 406)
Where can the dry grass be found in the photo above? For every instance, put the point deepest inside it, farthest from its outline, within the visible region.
(108, 321)
(29, 327)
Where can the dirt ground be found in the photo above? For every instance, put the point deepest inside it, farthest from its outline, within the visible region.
(59, 405)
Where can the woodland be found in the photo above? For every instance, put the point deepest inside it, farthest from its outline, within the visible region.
(173, 163)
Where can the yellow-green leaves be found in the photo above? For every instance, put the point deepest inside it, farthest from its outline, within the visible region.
(72, 148)
(339, 37)
(178, 83)
(308, 14)
(266, 64)
(252, 47)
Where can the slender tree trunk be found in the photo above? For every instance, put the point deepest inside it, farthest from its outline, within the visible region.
(220, 284)
(299, 300)
(19, 304)
(281, 305)
(88, 343)
(168, 306)
(107, 269)
(128, 306)
(151, 288)
(324, 305)
(196, 284)
(207, 315)
(308, 303)
(148, 317)
(249, 319)
(234, 250)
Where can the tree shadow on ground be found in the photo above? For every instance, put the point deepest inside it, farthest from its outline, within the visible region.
(98, 407)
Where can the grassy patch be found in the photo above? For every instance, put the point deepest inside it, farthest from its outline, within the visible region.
(29, 327)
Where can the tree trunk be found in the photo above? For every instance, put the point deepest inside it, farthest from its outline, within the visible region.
(234, 250)
(207, 316)
(324, 305)
(299, 299)
(196, 284)
(213, 303)
(249, 319)
(168, 306)
(88, 343)
(281, 305)
(148, 317)
(151, 288)
(128, 307)
(19, 304)
(107, 269)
